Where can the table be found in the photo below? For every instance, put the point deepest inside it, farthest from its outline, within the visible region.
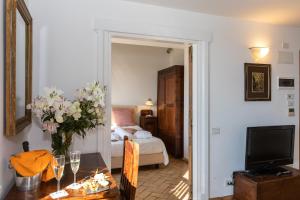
(89, 163)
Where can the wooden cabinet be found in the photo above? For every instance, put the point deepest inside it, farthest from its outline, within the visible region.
(286, 187)
(170, 109)
(149, 123)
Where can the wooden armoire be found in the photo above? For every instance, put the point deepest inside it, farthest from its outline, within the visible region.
(170, 108)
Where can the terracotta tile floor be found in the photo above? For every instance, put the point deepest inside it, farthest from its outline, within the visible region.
(170, 182)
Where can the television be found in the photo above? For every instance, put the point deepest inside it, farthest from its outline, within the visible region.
(269, 147)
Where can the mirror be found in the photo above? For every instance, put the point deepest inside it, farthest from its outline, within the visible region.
(20, 66)
(18, 69)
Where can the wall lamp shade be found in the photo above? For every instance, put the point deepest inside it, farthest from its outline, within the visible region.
(259, 52)
(149, 102)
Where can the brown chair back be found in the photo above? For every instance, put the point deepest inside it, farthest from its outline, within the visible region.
(130, 168)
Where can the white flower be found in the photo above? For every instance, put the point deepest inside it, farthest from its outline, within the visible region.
(90, 110)
(52, 95)
(90, 100)
(50, 127)
(81, 94)
(75, 110)
(53, 92)
(92, 86)
(59, 118)
(66, 105)
(38, 106)
(61, 105)
(76, 116)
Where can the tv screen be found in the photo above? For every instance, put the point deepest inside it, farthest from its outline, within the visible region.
(269, 146)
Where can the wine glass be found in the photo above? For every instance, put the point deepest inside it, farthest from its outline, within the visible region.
(58, 165)
(75, 162)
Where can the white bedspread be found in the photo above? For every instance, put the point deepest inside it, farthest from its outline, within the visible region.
(147, 146)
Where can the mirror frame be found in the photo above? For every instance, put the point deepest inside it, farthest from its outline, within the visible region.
(11, 124)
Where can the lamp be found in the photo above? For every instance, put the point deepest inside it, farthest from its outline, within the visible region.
(149, 103)
(259, 52)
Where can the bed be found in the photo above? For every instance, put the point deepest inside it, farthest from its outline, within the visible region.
(152, 149)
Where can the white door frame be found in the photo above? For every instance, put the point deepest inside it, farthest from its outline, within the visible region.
(106, 29)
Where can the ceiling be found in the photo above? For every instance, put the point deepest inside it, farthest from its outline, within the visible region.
(282, 12)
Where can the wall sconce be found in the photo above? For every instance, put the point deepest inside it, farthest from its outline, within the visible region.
(258, 53)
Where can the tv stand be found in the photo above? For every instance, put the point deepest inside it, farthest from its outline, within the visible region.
(267, 187)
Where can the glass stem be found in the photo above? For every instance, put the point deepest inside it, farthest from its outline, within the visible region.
(58, 185)
(74, 177)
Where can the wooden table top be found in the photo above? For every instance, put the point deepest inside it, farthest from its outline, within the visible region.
(89, 163)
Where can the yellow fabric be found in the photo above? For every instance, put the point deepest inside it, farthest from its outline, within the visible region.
(33, 162)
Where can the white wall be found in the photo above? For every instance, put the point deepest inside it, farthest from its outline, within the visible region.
(66, 54)
(134, 73)
(176, 57)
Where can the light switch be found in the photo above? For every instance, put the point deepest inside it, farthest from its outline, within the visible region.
(216, 131)
(290, 97)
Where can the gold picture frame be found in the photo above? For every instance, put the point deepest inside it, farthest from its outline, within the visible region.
(257, 82)
(18, 24)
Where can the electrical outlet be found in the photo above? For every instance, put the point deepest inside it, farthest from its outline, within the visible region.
(290, 97)
(229, 182)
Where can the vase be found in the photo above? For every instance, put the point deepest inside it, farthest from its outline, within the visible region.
(61, 142)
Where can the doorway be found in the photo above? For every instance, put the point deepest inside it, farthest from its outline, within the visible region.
(107, 29)
(150, 79)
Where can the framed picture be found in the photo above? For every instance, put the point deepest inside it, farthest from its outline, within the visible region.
(257, 82)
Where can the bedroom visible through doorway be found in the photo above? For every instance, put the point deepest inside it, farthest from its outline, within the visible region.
(150, 90)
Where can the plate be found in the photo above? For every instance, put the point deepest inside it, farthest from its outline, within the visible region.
(93, 186)
(100, 189)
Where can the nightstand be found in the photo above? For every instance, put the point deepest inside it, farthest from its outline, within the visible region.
(149, 123)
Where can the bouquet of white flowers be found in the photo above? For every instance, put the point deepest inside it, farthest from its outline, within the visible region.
(62, 118)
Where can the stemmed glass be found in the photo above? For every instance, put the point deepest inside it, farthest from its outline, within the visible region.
(58, 165)
(75, 162)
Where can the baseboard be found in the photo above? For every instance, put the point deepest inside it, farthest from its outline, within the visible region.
(223, 198)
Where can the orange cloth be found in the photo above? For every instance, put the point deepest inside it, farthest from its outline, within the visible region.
(33, 162)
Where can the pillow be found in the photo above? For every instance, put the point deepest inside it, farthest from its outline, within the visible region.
(122, 133)
(142, 134)
(132, 129)
(123, 116)
(136, 127)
